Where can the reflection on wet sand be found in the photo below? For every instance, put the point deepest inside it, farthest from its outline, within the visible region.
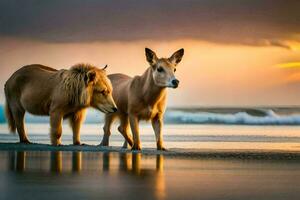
(127, 162)
(76, 161)
(56, 162)
(21, 161)
(160, 180)
(63, 163)
(17, 161)
(96, 175)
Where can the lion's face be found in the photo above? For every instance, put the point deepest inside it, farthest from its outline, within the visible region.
(101, 93)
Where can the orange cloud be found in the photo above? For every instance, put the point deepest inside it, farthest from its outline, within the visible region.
(293, 78)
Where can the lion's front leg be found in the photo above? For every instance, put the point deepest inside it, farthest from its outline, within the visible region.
(56, 128)
(75, 122)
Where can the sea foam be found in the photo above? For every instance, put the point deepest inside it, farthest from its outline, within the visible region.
(243, 118)
(177, 116)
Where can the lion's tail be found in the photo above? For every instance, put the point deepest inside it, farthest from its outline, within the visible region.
(9, 116)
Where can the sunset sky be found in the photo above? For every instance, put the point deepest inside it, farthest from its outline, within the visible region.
(237, 53)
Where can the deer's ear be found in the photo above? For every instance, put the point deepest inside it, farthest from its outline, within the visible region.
(177, 56)
(151, 56)
(90, 76)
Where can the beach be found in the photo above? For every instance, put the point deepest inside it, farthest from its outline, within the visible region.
(118, 175)
(183, 136)
(202, 162)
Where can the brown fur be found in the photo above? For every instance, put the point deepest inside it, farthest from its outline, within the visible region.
(142, 98)
(42, 90)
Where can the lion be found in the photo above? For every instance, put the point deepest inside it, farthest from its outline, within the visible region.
(60, 94)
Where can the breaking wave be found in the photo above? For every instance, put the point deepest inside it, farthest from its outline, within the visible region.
(177, 116)
(242, 118)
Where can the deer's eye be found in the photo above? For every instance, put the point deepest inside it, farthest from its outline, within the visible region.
(160, 69)
(175, 70)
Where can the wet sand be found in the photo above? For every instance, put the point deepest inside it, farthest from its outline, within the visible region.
(109, 173)
(262, 154)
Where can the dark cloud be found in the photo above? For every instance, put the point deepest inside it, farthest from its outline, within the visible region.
(254, 22)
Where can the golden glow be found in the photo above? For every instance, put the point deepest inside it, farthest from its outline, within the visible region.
(136, 163)
(160, 185)
(294, 45)
(289, 65)
(293, 78)
(210, 74)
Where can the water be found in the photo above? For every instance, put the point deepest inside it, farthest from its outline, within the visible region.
(186, 136)
(221, 115)
(95, 175)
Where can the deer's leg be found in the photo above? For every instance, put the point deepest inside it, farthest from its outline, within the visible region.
(157, 124)
(124, 130)
(109, 119)
(134, 124)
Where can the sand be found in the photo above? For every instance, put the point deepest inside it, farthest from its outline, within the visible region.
(68, 172)
(188, 153)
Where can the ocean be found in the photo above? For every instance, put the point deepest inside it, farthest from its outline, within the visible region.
(192, 128)
(210, 115)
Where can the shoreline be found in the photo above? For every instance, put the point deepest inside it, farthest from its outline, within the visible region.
(251, 154)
